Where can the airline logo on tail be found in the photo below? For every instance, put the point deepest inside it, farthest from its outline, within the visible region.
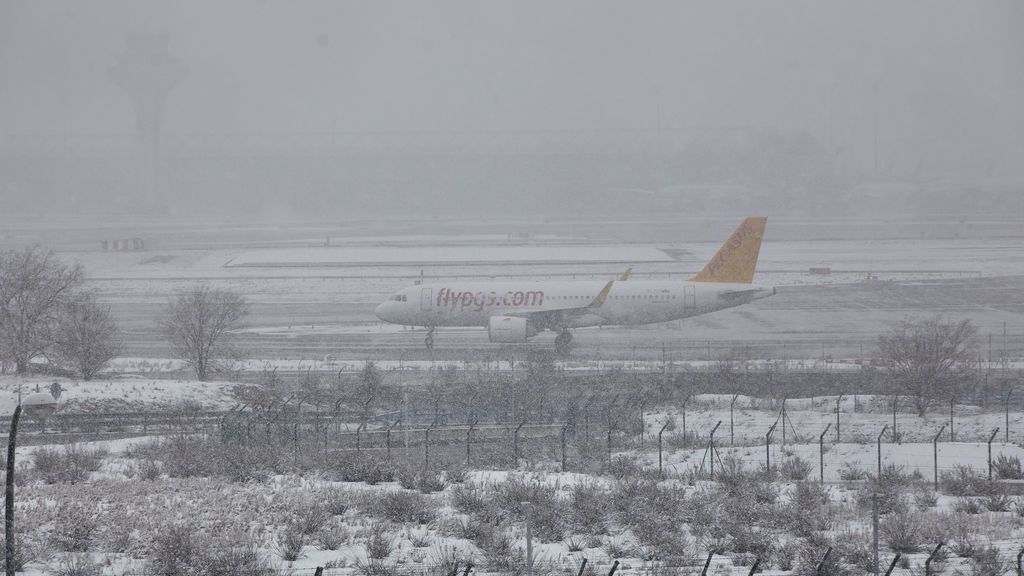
(736, 260)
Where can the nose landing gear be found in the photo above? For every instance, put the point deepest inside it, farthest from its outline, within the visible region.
(429, 340)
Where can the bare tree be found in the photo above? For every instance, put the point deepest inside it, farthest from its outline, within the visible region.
(928, 358)
(86, 337)
(34, 286)
(197, 322)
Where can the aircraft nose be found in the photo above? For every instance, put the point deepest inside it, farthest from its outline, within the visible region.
(381, 311)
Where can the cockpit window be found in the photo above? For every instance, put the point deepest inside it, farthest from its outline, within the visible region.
(398, 298)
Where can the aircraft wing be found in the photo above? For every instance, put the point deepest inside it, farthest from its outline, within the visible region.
(560, 317)
(738, 294)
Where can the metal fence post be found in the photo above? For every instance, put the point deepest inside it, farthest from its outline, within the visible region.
(821, 451)
(874, 533)
(704, 571)
(935, 455)
(753, 567)
(892, 564)
(895, 405)
(1020, 571)
(561, 440)
(426, 449)
(732, 405)
(928, 562)
(609, 440)
(685, 441)
(583, 566)
(661, 472)
(388, 438)
(1006, 409)
(838, 400)
(821, 563)
(768, 449)
(515, 444)
(528, 508)
(990, 439)
(615, 567)
(952, 432)
(880, 434)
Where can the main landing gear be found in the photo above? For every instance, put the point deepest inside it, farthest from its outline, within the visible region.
(562, 341)
(429, 340)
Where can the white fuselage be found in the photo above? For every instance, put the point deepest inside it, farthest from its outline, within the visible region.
(627, 303)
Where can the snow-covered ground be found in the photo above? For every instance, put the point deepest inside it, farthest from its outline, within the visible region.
(124, 393)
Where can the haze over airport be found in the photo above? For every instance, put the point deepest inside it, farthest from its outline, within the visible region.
(279, 110)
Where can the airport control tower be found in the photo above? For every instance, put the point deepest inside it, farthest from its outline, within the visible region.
(147, 72)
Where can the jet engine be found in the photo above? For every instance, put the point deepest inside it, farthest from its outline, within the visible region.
(509, 329)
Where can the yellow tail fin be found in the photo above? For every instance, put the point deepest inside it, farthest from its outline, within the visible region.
(737, 258)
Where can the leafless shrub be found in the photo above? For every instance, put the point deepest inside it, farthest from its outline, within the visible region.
(589, 507)
(78, 565)
(499, 553)
(618, 548)
(419, 538)
(174, 550)
(548, 511)
(447, 559)
(807, 511)
(429, 482)
(310, 518)
(70, 465)
(75, 528)
(359, 467)
(25, 552)
(456, 474)
(469, 498)
(625, 466)
(961, 481)
(1007, 467)
(968, 505)
(119, 531)
(901, 532)
(574, 544)
(925, 498)
(406, 507)
(810, 555)
(795, 469)
(379, 542)
(997, 501)
(289, 544)
(851, 472)
(989, 562)
(336, 501)
(146, 469)
(331, 537)
(376, 568)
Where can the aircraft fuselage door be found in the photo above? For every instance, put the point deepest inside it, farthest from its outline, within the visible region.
(426, 299)
(689, 299)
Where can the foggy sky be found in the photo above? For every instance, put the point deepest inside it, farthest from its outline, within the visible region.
(947, 77)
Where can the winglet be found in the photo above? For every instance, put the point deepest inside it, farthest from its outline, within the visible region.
(736, 260)
(625, 275)
(603, 295)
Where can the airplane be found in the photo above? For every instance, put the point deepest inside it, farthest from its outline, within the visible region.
(513, 312)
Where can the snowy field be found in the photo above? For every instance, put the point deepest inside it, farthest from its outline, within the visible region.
(294, 508)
